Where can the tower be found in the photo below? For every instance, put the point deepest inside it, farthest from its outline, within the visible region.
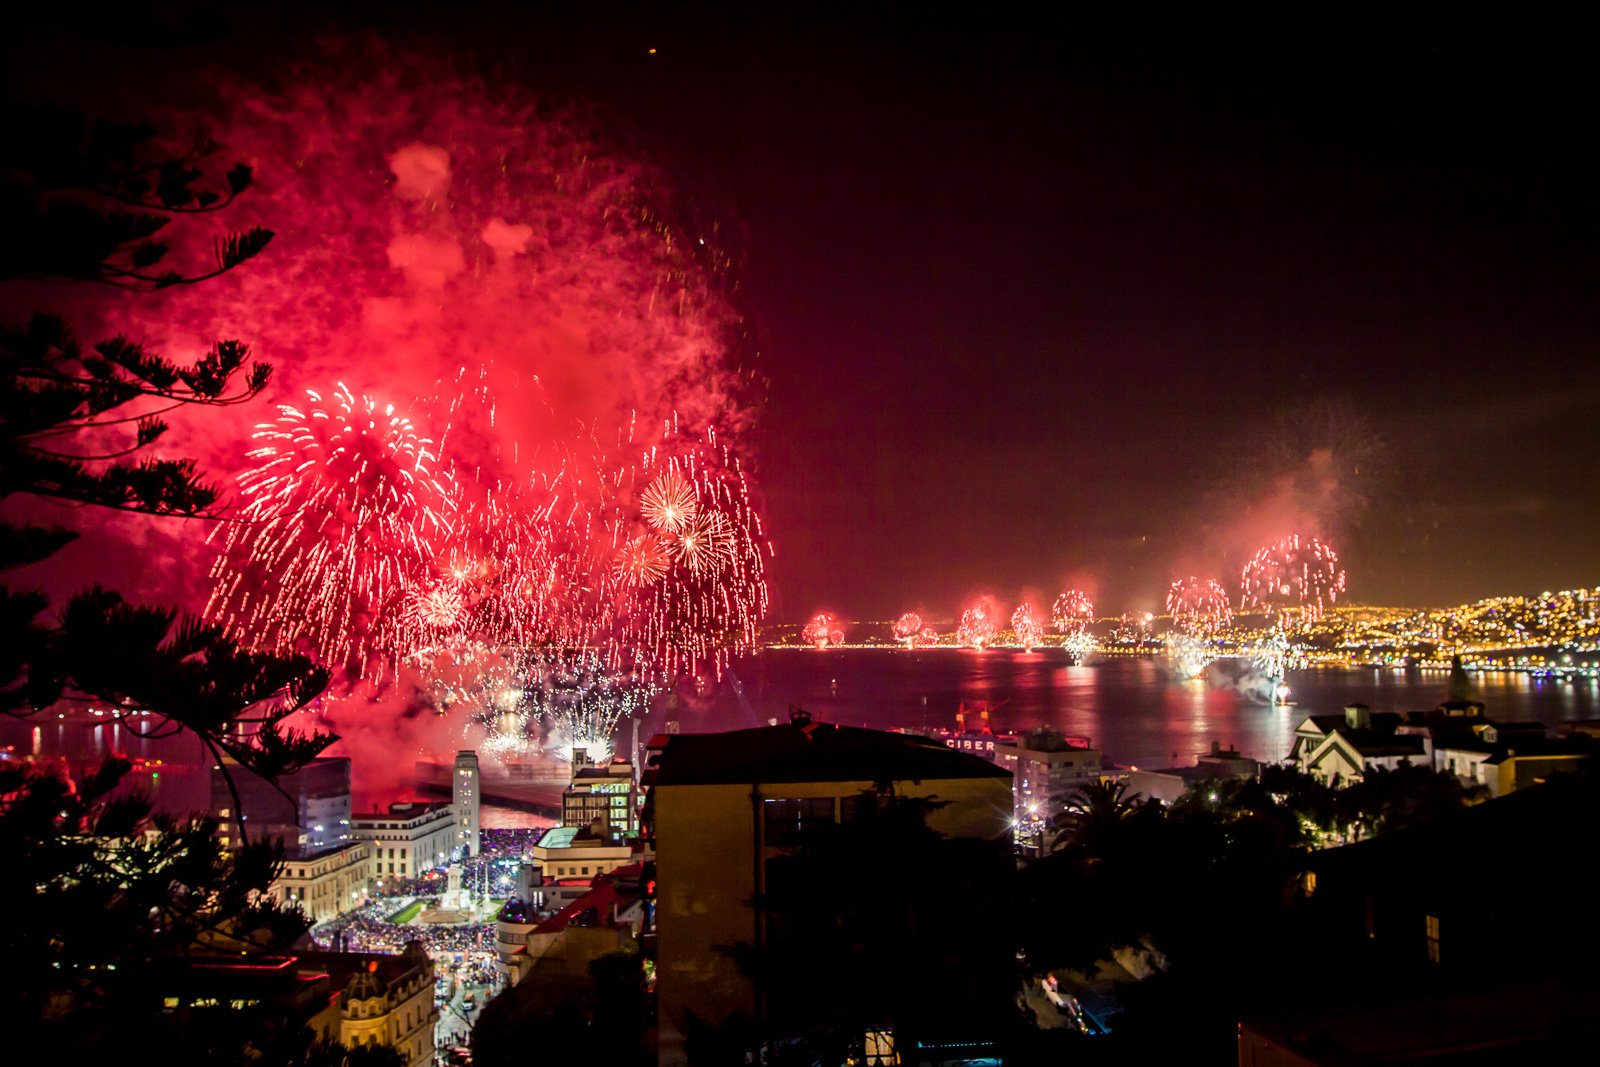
(465, 796)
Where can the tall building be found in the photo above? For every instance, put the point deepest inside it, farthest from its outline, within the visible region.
(602, 791)
(309, 809)
(726, 805)
(465, 798)
(1046, 768)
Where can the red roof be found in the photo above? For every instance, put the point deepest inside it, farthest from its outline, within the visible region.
(602, 898)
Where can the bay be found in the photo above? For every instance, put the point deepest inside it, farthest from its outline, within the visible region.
(1129, 708)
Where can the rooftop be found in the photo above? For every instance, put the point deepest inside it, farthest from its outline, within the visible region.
(594, 908)
(404, 809)
(808, 751)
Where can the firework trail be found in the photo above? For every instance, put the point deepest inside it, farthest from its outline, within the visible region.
(1293, 581)
(1199, 607)
(1268, 662)
(341, 516)
(580, 702)
(907, 628)
(1026, 625)
(1072, 612)
(1188, 653)
(478, 684)
(706, 606)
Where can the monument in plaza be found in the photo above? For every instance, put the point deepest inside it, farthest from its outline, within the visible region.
(455, 898)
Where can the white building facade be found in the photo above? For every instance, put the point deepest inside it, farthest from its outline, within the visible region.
(409, 839)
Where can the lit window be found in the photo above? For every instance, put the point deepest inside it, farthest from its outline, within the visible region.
(1432, 926)
(877, 1047)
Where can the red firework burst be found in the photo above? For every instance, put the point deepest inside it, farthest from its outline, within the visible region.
(1026, 625)
(642, 561)
(823, 630)
(977, 627)
(1199, 606)
(1294, 581)
(1073, 612)
(341, 515)
(907, 628)
(706, 607)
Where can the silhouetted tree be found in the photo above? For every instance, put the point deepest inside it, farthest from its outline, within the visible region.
(1092, 818)
(104, 894)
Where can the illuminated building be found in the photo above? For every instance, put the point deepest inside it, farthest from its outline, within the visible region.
(560, 947)
(329, 884)
(1314, 730)
(574, 854)
(386, 1000)
(1170, 784)
(605, 792)
(1355, 743)
(726, 804)
(1046, 768)
(308, 810)
(326, 871)
(466, 797)
(409, 838)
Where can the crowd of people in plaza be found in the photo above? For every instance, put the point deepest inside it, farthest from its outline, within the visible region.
(463, 952)
(369, 929)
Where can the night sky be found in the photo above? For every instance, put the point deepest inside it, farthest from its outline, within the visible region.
(1043, 302)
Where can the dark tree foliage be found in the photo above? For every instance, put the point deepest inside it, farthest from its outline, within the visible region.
(89, 201)
(1392, 799)
(103, 896)
(104, 891)
(1206, 893)
(80, 202)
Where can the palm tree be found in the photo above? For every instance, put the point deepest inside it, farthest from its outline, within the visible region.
(1094, 817)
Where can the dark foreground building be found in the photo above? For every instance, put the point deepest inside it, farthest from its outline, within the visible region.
(748, 821)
